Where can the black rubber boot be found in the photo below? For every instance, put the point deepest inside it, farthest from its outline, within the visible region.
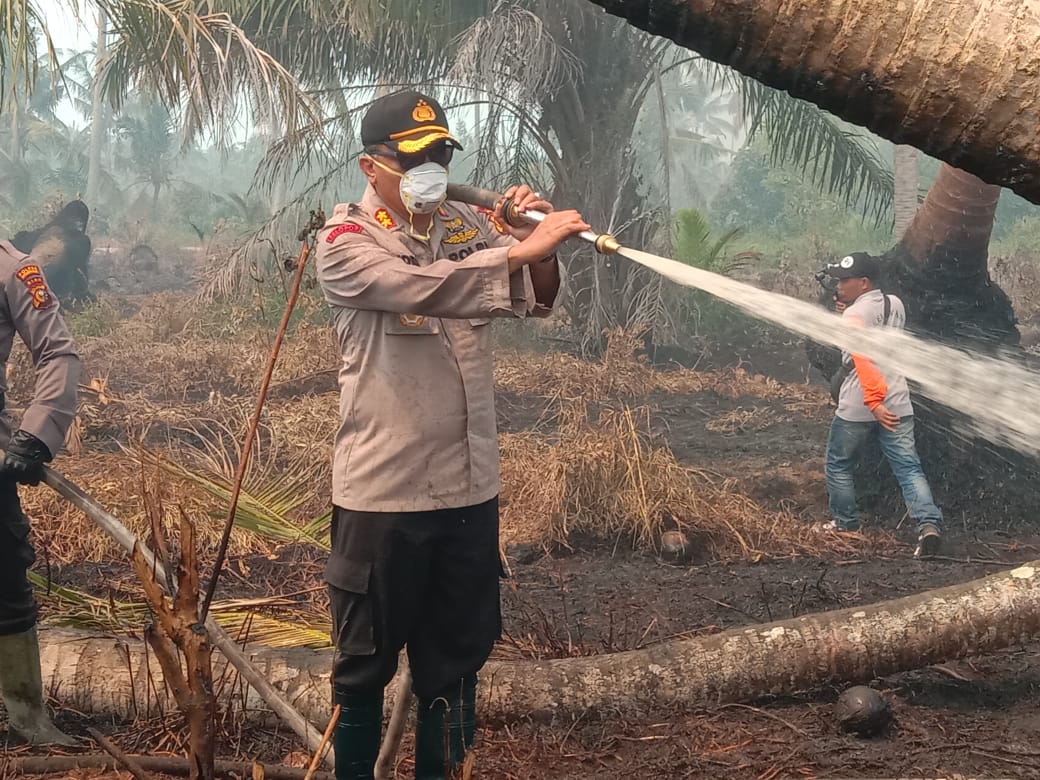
(446, 725)
(465, 721)
(358, 733)
(431, 735)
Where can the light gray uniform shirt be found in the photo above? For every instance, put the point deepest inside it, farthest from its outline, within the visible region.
(417, 395)
(29, 309)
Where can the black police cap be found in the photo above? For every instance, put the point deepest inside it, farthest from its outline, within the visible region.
(407, 121)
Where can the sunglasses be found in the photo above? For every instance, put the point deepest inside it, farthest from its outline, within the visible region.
(440, 153)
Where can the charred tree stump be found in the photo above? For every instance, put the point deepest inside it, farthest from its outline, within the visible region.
(177, 628)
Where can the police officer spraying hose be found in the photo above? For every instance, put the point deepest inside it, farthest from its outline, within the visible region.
(28, 308)
(413, 283)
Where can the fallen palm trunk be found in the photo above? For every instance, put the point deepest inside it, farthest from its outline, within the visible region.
(168, 765)
(850, 645)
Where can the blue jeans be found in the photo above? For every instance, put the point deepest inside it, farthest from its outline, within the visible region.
(846, 439)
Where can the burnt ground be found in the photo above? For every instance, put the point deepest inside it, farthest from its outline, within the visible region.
(975, 718)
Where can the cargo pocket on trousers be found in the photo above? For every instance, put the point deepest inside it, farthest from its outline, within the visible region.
(353, 616)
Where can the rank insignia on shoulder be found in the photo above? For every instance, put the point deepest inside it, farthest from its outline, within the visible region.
(32, 278)
(339, 230)
(382, 216)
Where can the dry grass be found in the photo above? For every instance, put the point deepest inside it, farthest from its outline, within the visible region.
(607, 479)
(624, 372)
(180, 382)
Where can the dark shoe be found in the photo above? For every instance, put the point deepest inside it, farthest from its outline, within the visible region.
(358, 733)
(833, 526)
(929, 540)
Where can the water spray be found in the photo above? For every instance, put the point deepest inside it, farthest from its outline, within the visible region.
(604, 243)
(999, 398)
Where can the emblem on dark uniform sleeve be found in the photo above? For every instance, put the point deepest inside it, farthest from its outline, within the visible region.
(32, 278)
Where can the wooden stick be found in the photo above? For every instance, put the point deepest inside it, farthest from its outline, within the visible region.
(135, 768)
(333, 723)
(317, 221)
(398, 720)
(167, 765)
(220, 638)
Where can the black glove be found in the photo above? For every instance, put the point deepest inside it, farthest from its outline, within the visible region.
(25, 458)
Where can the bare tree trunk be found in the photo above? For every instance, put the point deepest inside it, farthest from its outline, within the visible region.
(97, 117)
(941, 264)
(954, 78)
(178, 628)
(905, 181)
(15, 143)
(850, 645)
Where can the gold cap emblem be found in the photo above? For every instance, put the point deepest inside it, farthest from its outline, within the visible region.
(423, 112)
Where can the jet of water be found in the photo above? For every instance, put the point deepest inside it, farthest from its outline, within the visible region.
(1000, 400)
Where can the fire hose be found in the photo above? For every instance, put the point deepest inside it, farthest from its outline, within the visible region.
(604, 243)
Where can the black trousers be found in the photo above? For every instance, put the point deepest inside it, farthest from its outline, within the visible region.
(17, 604)
(428, 580)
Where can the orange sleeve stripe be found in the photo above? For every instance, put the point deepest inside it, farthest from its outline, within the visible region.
(870, 377)
(871, 380)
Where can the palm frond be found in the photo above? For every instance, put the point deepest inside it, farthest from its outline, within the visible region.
(21, 26)
(510, 51)
(293, 627)
(262, 508)
(840, 161)
(199, 60)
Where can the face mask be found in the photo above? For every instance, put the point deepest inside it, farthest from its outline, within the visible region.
(424, 188)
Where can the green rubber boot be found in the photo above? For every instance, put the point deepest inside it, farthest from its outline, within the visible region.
(358, 732)
(21, 686)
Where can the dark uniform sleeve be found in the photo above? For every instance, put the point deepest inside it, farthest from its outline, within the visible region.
(36, 316)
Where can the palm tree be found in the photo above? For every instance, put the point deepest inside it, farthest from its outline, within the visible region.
(563, 91)
(149, 136)
(916, 73)
(190, 55)
(905, 175)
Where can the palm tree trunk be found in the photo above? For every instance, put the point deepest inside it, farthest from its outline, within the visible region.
(953, 226)
(849, 645)
(97, 118)
(954, 78)
(905, 186)
(15, 149)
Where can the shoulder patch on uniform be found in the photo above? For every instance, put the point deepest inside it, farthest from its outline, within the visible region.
(32, 278)
(382, 216)
(339, 230)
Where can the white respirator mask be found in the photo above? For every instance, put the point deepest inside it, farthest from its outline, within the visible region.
(424, 188)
